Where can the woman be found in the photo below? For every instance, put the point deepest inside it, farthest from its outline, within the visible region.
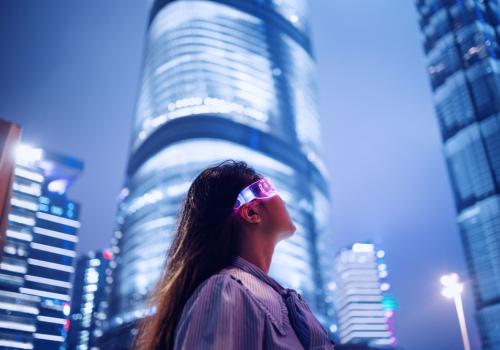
(215, 292)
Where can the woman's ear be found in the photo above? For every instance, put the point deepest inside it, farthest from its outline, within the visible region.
(251, 212)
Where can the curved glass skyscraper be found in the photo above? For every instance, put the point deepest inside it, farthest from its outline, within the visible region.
(462, 44)
(222, 79)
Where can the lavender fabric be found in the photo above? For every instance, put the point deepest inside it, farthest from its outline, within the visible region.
(237, 308)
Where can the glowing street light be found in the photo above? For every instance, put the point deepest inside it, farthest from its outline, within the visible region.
(453, 289)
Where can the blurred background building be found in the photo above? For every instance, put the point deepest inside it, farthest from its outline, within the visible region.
(36, 266)
(88, 301)
(221, 79)
(10, 134)
(461, 43)
(364, 307)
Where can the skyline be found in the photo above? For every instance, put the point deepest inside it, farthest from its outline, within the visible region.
(400, 168)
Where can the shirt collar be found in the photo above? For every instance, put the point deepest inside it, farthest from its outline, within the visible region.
(246, 265)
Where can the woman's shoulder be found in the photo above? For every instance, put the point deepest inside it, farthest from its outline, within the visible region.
(219, 315)
(220, 289)
(262, 294)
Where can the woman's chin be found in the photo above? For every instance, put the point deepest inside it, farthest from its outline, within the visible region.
(289, 232)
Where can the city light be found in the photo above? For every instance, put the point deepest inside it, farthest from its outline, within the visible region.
(58, 186)
(453, 289)
(26, 154)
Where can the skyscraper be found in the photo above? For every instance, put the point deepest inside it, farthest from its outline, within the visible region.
(461, 42)
(36, 268)
(365, 310)
(88, 302)
(222, 79)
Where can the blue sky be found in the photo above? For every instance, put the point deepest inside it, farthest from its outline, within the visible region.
(69, 73)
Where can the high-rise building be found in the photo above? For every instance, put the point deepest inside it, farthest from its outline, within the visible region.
(222, 79)
(461, 43)
(88, 301)
(365, 310)
(36, 268)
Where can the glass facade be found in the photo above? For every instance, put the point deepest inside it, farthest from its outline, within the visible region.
(36, 268)
(462, 47)
(88, 301)
(221, 79)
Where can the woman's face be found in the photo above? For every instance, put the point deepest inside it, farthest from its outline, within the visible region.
(276, 217)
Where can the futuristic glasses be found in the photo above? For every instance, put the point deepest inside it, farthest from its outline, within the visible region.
(262, 188)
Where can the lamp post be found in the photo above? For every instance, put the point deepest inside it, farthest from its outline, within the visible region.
(453, 289)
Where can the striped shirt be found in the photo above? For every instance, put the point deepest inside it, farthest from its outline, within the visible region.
(234, 309)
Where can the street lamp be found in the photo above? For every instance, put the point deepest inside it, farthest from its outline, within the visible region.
(453, 289)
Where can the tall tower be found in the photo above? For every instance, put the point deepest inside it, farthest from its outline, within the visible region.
(365, 310)
(222, 79)
(461, 42)
(37, 264)
(88, 302)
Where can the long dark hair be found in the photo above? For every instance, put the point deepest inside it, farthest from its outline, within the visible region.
(205, 241)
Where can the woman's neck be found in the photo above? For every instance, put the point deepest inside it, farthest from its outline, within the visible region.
(258, 251)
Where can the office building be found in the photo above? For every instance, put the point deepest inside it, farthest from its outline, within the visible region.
(36, 267)
(365, 310)
(221, 80)
(88, 302)
(461, 44)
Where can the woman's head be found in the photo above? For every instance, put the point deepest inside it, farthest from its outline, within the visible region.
(263, 212)
(207, 237)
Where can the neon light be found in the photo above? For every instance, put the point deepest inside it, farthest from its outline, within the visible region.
(43, 293)
(20, 296)
(362, 248)
(22, 219)
(51, 265)
(13, 268)
(56, 210)
(383, 274)
(20, 235)
(25, 153)
(15, 344)
(357, 313)
(33, 189)
(66, 309)
(19, 308)
(23, 204)
(107, 254)
(58, 219)
(48, 281)
(30, 175)
(384, 287)
(54, 250)
(94, 262)
(55, 234)
(389, 302)
(367, 335)
(56, 338)
(58, 186)
(90, 288)
(51, 319)
(17, 326)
